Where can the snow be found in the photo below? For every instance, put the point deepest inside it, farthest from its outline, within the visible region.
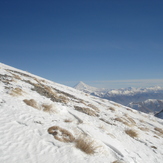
(84, 87)
(23, 129)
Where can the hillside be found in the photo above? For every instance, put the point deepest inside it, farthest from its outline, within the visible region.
(42, 121)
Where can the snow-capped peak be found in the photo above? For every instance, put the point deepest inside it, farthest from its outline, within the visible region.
(84, 87)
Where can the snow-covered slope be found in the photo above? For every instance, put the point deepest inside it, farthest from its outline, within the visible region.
(42, 121)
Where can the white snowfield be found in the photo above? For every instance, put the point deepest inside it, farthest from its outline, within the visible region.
(110, 132)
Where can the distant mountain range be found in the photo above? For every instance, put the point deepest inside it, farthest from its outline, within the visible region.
(148, 100)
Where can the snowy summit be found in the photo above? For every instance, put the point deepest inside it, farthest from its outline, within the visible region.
(42, 121)
(84, 87)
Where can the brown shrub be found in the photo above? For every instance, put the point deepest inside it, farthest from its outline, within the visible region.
(61, 134)
(129, 109)
(86, 111)
(122, 121)
(104, 120)
(131, 133)
(158, 130)
(85, 144)
(154, 147)
(68, 120)
(16, 76)
(117, 161)
(144, 128)
(48, 108)
(131, 120)
(142, 121)
(37, 80)
(16, 92)
(118, 105)
(156, 137)
(48, 92)
(31, 103)
(94, 107)
(63, 99)
(111, 108)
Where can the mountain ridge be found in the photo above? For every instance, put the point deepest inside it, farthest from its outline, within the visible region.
(130, 96)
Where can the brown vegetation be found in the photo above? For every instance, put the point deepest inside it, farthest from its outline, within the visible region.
(68, 120)
(111, 108)
(61, 134)
(122, 121)
(144, 128)
(16, 76)
(48, 108)
(94, 107)
(117, 161)
(154, 147)
(104, 120)
(85, 144)
(118, 105)
(48, 92)
(31, 103)
(86, 111)
(16, 92)
(131, 133)
(158, 130)
(131, 120)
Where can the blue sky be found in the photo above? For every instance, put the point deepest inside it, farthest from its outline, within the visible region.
(105, 43)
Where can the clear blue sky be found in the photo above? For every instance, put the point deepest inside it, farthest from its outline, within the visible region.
(104, 43)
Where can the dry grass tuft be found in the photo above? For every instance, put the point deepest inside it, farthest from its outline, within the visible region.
(31, 103)
(104, 120)
(85, 144)
(144, 128)
(158, 130)
(68, 120)
(63, 99)
(37, 80)
(129, 110)
(111, 108)
(142, 121)
(48, 108)
(61, 134)
(16, 92)
(117, 161)
(131, 120)
(156, 137)
(94, 107)
(118, 105)
(16, 76)
(153, 147)
(86, 111)
(49, 92)
(123, 121)
(131, 133)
